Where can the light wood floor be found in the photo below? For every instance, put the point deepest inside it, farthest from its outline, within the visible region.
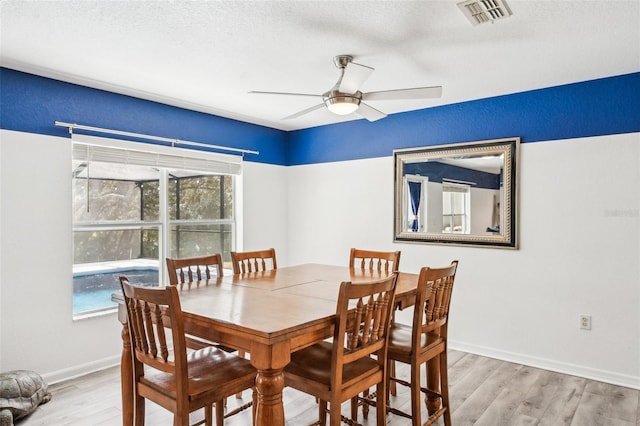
(484, 391)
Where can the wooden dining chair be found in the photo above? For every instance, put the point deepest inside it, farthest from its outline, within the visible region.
(426, 340)
(190, 270)
(253, 261)
(339, 370)
(194, 269)
(164, 373)
(388, 261)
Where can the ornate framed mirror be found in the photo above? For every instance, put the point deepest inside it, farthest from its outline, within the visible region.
(458, 194)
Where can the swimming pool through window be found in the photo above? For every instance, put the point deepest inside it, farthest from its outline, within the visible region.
(128, 217)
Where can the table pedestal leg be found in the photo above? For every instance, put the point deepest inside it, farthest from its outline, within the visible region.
(270, 361)
(269, 387)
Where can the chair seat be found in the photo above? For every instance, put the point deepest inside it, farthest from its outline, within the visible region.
(400, 340)
(209, 368)
(314, 363)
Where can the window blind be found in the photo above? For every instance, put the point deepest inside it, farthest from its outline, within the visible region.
(94, 148)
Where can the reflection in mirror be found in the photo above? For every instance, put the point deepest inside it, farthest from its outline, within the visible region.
(461, 194)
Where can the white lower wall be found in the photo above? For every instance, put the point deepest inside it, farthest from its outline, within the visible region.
(265, 202)
(36, 327)
(579, 253)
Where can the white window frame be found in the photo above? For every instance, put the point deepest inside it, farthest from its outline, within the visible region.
(164, 158)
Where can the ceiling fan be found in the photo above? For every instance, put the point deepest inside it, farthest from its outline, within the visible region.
(345, 96)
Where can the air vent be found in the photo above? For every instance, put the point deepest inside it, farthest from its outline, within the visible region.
(482, 11)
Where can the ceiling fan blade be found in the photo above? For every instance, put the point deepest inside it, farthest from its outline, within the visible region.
(256, 92)
(354, 77)
(369, 112)
(414, 93)
(304, 111)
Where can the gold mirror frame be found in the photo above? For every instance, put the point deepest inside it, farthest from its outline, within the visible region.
(463, 169)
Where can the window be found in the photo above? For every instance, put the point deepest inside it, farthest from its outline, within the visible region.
(455, 208)
(131, 209)
(201, 216)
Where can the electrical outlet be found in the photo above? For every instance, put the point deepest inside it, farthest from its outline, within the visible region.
(585, 322)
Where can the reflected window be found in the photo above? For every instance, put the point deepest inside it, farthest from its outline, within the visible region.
(455, 208)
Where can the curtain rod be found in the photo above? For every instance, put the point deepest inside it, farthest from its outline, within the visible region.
(464, 182)
(173, 142)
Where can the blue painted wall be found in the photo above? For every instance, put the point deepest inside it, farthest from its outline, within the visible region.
(437, 171)
(30, 103)
(605, 106)
(597, 107)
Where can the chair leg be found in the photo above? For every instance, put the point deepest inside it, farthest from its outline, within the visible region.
(138, 411)
(365, 406)
(388, 378)
(444, 388)
(322, 413)
(433, 383)
(180, 419)
(354, 409)
(416, 418)
(219, 413)
(381, 406)
(208, 415)
(392, 373)
(254, 406)
(241, 354)
(335, 412)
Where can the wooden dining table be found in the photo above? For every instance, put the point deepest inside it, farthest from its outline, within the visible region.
(269, 315)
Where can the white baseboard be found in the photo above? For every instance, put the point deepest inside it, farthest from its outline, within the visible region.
(547, 364)
(551, 365)
(80, 370)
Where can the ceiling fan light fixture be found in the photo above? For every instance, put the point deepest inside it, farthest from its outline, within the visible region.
(341, 104)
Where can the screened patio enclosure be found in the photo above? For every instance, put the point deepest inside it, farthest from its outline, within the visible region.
(127, 218)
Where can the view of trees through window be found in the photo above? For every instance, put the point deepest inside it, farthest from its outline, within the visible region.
(119, 224)
(193, 203)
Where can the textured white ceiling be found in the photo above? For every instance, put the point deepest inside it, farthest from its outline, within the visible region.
(206, 55)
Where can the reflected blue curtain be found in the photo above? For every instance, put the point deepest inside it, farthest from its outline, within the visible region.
(415, 189)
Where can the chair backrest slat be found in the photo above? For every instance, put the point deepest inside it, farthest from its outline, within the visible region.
(374, 260)
(363, 316)
(253, 261)
(194, 269)
(433, 299)
(156, 327)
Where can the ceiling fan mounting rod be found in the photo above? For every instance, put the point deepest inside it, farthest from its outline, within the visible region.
(341, 61)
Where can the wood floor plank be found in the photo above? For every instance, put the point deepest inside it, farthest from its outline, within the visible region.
(591, 410)
(540, 395)
(507, 405)
(483, 391)
(623, 404)
(566, 392)
(501, 410)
